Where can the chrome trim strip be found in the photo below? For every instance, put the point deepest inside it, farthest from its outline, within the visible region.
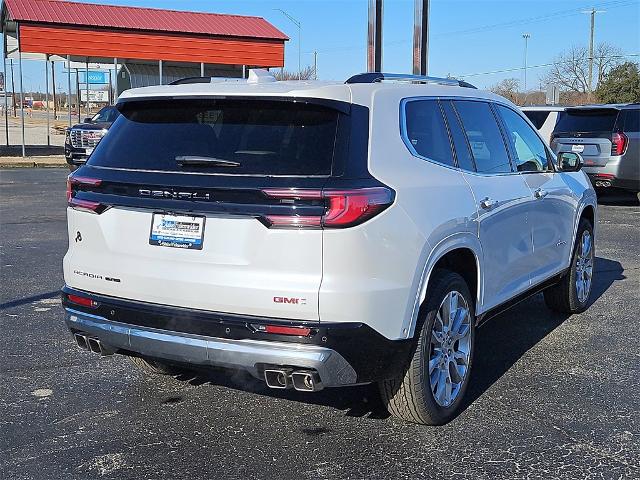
(245, 354)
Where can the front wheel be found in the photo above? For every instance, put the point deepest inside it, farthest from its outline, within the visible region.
(431, 390)
(571, 294)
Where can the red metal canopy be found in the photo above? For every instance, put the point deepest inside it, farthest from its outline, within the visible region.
(145, 19)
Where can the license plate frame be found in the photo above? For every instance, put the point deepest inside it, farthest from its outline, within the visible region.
(175, 230)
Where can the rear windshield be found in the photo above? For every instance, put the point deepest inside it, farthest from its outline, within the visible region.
(537, 117)
(587, 121)
(248, 137)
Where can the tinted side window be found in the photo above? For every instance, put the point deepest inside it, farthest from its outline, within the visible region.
(426, 131)
(461, 146)
(484, 137)
(529, 151)
(632, 121)
(537, 117)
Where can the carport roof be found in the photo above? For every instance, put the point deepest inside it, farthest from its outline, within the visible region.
(144, 19)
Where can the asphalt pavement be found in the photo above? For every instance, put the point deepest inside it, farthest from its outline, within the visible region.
(551, 396)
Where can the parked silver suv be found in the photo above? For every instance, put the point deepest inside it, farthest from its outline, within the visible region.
(608, 138)
(322, 234)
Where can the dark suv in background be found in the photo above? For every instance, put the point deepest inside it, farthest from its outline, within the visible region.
(608, 138)
(82, 138)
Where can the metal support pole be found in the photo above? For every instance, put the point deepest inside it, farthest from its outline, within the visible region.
(6, 103)
(13, 89)
(160, 70)
(111, 99)
(46, 89)
(421, 37)
(202, 69)
(374, 37)
(115, 85)
(24, 151)
(69, 91)
(53, 89)
(244, 71)
(86, 81)
(78, 93)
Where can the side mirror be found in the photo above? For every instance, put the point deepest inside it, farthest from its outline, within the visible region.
(87, 120)
(569, 161)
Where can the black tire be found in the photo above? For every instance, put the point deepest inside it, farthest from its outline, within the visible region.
(410, 396)
(154, 367)
(563, 296)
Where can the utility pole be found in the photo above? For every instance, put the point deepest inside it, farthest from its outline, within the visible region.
(315, 65)
(374, 36)
(526, 37)
(591, 12)
(299, 25)
(421, 37)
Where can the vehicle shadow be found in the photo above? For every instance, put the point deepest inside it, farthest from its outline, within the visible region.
(499, 345)
(617, 197)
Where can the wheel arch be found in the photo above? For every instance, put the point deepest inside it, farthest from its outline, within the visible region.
(460, 253)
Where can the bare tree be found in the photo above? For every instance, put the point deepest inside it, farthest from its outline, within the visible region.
(507, 88)
(570, 69)
(307, 73)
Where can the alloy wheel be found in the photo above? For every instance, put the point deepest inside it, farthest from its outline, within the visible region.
(584, 267)
(450, 349)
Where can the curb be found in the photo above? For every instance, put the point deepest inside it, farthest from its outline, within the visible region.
(32, 165)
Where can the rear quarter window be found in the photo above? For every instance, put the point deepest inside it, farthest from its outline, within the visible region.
(426, 132)
(632, 120)
(537, 117)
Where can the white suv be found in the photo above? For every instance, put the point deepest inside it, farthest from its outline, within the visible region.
(321, 234)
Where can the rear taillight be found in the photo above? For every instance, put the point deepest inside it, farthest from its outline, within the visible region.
(618, 143)
(83, 301)
(75, 183)
(344, 208)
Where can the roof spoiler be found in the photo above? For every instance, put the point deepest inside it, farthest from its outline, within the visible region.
(374, 77)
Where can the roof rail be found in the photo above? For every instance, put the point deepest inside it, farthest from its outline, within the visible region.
(373, 77)
(187, 80)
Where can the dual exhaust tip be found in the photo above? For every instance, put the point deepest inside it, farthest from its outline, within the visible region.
(603, 183)
(91, 344)
(301, 380)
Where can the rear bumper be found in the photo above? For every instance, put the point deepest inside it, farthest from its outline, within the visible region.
(612, 175)
(249, 355)
(341, 353)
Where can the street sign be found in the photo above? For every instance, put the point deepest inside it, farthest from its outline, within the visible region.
(95, 96)
(95, 78)
(553, 94)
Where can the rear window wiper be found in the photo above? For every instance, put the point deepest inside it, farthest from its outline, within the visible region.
(195, 160)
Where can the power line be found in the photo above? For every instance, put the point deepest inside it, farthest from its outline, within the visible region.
(512, 23)
(541, 65)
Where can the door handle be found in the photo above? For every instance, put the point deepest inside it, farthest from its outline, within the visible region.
(487, 203)
(539, 193)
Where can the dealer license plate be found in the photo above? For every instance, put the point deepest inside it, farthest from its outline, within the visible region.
(178, 231)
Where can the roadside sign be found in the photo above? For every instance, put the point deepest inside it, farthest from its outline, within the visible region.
(553, 94)
(95, 96)
(95, 78)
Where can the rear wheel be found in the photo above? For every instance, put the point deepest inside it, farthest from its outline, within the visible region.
(432, 388)
(154, 367)
(571, 294)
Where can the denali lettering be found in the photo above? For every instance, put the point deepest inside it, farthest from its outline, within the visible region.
(174, 195)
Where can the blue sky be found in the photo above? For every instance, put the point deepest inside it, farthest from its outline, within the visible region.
(466, 37)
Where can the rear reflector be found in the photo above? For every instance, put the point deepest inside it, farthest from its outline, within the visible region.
(282, 330)
(84, 301)
(345, 208)
(618, 143)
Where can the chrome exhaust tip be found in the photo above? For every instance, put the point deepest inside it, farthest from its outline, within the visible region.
(94, 344)
(81, 340)
(305, 381)
(278, 378)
